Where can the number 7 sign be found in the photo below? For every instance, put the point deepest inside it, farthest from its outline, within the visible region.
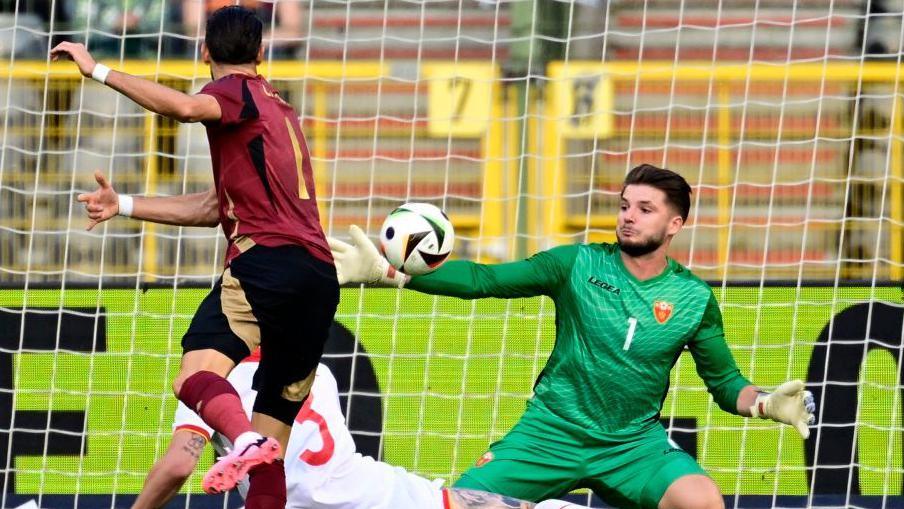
(459, 98)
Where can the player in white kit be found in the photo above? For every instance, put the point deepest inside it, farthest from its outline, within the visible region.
(323, 468)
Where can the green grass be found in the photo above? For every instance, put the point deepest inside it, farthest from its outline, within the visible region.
(455, 376)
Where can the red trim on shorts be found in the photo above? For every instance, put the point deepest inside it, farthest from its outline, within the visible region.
(254, 357)
(193, 429)
(446, 504)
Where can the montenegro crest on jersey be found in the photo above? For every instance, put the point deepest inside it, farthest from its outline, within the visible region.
(662, 310)
(483, 460)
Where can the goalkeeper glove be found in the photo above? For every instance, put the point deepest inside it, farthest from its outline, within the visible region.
(790, 404)
(360, 262)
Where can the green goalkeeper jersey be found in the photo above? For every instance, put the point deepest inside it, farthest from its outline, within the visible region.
(617, 337)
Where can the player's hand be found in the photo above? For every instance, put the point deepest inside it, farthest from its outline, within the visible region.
(360, 262)
(101, 204)
(790, 404)
(76, 52)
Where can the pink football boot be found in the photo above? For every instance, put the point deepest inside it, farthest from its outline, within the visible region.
(250, 449)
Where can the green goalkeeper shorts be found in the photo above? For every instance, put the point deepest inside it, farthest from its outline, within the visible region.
(544, 457)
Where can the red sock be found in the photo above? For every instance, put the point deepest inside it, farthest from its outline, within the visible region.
(216, 401)
(268, 486)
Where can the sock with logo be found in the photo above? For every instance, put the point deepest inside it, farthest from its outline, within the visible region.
(216, 401)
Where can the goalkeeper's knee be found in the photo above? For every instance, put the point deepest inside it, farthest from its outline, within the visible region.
(558, 504)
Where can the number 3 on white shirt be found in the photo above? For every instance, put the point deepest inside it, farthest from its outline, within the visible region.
(632, 324)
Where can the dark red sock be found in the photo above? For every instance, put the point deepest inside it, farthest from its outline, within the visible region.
(216, 401)
(268, 486)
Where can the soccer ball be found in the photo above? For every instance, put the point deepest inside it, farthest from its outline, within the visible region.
(417, 238)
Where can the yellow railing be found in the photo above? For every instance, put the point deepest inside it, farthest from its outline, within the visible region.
(319, 87)
(724, 90)
(896, 241)
(578, 135)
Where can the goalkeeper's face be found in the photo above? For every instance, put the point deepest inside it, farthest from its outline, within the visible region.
(646, 220)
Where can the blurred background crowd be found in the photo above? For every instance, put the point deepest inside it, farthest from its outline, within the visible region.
(135, 28)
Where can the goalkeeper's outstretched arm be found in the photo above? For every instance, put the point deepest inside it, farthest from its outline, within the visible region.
(790, 403)
(541, 274)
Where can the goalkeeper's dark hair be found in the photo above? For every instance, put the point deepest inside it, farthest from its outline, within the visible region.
(677, 190)
(233, 35)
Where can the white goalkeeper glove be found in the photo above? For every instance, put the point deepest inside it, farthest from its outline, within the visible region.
(360, 262)
(790, 404)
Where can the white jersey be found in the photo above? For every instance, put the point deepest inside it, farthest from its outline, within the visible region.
(323, 469)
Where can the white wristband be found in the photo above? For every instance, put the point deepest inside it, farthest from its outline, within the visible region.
(759, 405)
(100, 73)
(126, 204)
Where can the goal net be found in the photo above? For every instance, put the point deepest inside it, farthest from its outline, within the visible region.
(520, 119)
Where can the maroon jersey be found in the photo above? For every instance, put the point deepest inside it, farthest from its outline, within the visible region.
(262, 168)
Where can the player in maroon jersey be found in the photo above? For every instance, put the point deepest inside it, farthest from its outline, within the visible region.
(278, 288)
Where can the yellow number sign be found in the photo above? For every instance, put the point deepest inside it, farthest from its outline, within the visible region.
(582, 98)
(459, 97)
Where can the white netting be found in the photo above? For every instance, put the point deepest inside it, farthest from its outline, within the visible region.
(520, 119)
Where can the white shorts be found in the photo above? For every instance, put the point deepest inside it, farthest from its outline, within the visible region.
(364, 483)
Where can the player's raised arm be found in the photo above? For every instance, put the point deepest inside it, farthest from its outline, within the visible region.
(197, 209)
(150, 95)
(789, 404)
(360, 262)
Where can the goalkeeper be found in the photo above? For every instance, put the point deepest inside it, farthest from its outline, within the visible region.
(624, 313)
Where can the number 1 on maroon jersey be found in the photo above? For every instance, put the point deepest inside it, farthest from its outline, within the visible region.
(299, 160)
